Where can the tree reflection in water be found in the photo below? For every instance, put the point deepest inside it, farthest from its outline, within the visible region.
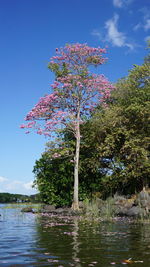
(76, 243)
(64, 242)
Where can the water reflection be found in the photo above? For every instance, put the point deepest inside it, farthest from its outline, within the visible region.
(83, 244)
(75, 244)
(32, 240)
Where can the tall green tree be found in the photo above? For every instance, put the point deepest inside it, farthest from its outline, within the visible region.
(121, 133)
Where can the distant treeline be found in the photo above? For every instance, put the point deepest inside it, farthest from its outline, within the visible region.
(18, 198)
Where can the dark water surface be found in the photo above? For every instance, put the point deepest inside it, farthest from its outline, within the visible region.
(31, 240)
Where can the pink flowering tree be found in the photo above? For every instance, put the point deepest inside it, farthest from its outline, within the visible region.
(76, 92)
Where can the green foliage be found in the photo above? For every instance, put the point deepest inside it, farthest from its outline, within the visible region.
(122, 134)
(91, 209)
(54, 171)
(97, 209)
(59, 71)
(115, 147)
(13, 198)
(54, 180)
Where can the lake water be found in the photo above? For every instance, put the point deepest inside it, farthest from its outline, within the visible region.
(31, 240)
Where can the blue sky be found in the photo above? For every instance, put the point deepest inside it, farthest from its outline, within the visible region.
(30, 30)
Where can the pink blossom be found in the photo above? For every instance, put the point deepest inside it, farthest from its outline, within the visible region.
(59, 109)
(22, 126)
(56, 155)
(40, 131)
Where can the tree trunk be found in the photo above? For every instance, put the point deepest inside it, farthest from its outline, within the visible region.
(75, 204)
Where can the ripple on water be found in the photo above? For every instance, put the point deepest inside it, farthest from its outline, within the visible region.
(31, 240)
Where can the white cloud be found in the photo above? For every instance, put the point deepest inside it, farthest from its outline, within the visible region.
(28, 185)
(146, 19)
(117, 3)
(147, 25)
(122, 3)
(114, 36)
(11, 186)
(16, 187)
(3, 179)
(137, 26)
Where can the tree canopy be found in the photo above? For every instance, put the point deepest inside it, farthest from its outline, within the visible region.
(76, 91)
(122, 133)
(115, 144)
